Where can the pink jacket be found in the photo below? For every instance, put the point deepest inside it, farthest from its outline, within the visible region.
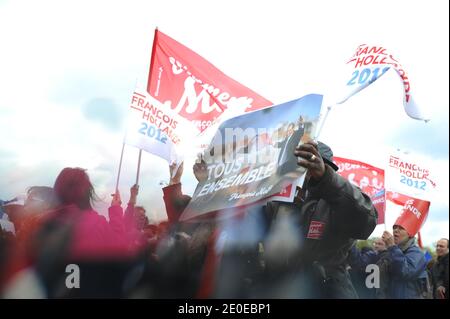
(92, 237)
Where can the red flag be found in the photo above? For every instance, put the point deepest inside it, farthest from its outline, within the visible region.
(397, 198)
(419, 240)
(368, 178)
(413, 215)
(193, 87)
(379, 201)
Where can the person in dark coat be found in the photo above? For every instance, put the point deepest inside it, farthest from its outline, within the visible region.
(440, 270)
(308, 243)
(359, 260)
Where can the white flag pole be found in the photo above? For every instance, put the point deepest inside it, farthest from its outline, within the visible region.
(120, 167)
(138, 167)
(148, 84)
(322, 123)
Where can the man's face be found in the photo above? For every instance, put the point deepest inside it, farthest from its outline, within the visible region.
(379, 245)
(441, 248)
(400, 234)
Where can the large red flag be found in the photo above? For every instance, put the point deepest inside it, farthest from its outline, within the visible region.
(368, 178)
(397, 198)
(193, 87)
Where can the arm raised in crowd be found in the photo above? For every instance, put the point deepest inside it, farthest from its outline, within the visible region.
(115, 213)
(355, 214)
(174, 199)
(129, 211)
(408, 264)
(359, 259)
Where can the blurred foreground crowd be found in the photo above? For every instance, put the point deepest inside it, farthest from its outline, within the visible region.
(55, 245)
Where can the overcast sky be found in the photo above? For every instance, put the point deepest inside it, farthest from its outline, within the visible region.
(68, 69)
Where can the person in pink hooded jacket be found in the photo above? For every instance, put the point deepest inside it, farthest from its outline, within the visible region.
(75, 235)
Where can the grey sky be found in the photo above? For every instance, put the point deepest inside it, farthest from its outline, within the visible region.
(68, 69)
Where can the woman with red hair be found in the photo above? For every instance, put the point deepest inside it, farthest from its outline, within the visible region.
(75, 234)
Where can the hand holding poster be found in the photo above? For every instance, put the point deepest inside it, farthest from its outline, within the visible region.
(251, 157)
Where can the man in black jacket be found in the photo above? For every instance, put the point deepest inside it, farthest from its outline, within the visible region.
(440, 270)
(305, 251)
(328, 216)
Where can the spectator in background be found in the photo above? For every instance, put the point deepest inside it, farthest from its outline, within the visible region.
(407, 265)
(140, 218)
(6, 225)
(28, 215)
(76, 234)
(26, 212)
(359, 260)
(440, 270)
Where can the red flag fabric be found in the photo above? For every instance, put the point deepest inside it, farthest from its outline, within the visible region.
(413, 215)
(419, 240)
(397, 198)
(193, 87)
(379, 201)
(368, 178)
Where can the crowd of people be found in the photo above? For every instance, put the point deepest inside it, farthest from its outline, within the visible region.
(304, 249)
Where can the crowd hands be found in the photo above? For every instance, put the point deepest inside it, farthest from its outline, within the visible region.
(304, 249)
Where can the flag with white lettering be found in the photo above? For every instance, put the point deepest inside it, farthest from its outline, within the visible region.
(410, 175)
(185, 96)
(194, 88)
(368, 178)
(396, 198)
(156, 129)
(367, 65)
(413, 215)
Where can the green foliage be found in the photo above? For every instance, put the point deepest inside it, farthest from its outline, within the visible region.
(365, 243)
(369, 243)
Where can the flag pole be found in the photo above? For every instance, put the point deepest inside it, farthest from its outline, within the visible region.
(323, 122)
(120, 167)
(152, 59)
(138, 167)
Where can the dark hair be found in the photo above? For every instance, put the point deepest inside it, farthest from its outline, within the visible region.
(72, 186)
(445, 240)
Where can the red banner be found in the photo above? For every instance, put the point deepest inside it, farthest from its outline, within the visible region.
(397, 198)
(413, 215)
(368, 178)
(193, 87)
(379, 201)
